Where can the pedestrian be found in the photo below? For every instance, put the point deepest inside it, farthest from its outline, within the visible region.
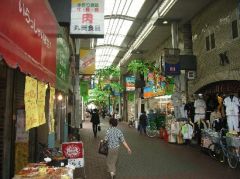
(95, 121)
(143, 122)
(151, 115)
(114, 137)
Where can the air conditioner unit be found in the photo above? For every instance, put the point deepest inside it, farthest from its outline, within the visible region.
(191, 75)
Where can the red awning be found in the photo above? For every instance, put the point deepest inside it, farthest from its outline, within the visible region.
(28, 37)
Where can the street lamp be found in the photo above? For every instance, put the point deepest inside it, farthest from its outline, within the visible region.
(60, 98)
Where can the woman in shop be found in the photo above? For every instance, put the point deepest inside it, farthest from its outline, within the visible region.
(114, 137)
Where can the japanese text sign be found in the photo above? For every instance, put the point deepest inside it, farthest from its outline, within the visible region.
(87, 17)
(72, 150)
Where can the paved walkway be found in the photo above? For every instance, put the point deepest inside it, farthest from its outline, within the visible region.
(152, 158)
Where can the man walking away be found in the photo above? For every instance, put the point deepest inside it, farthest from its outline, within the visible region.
(143, 122)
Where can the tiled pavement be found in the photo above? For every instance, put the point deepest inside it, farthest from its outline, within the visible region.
(151, 158)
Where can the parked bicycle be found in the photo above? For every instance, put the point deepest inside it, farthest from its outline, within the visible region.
(131, 122)
(220, 150)
(151, 129)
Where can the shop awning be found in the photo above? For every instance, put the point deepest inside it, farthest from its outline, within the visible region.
(28, 37)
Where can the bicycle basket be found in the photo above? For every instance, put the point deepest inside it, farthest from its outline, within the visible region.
(215, 137)
(233, 141)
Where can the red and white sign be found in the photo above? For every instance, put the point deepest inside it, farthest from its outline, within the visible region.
(87, 17)
(73, 150)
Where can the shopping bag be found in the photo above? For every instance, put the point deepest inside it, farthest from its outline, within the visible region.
(103, 147)
(99, 128)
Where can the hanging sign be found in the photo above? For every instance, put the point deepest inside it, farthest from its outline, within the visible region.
(63, 55)
(41, 91)
(87, 62)
(51, 111)
(84, 88)
(130, 83)
(171, 61)
(30, 101)
(87, 17)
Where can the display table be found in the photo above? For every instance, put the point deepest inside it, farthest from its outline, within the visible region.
(42, 171)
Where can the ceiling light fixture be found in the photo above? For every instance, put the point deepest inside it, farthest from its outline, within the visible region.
(165, 22)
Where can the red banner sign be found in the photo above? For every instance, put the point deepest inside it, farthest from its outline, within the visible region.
(28, 37)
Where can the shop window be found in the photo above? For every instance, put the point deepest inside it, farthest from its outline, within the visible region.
(212, 41)
(207, 43)
(234, 29)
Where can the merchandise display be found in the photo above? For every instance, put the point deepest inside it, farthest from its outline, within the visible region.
(42, 171)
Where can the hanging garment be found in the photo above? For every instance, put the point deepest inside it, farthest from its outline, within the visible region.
(232, 104)
(187, 131)
(200, 109)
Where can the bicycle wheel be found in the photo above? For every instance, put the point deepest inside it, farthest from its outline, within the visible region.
(219, 153)
(151, 131)
(211, 150)
(232, 157)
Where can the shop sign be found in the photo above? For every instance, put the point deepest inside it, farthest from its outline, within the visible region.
(158, 85)
(87, 17)
(27, 39)
(171, 61)
(87, 61)
(84, 88)
(72, 150)
(130, 83)
(62, 71)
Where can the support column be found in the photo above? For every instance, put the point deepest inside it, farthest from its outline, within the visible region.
(177, 96)
(77, 99)
(187, 42)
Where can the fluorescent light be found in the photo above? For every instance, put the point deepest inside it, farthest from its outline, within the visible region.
(165, 22)
(163, 9)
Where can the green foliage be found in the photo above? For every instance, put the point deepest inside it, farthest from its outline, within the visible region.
(98, 96)
(138, 66)
(116, 86)
(107, 72)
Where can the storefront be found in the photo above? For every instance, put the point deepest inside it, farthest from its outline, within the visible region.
(27, 47)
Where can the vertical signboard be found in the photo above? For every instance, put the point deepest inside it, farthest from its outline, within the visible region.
(62, 71)
(87, 61)
(87, 17)
(171, 61)
(130, 83)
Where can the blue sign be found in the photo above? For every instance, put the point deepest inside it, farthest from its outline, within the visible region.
(172, 69)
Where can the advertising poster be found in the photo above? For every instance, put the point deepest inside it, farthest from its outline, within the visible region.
(21, 134)
(51, 108)
(87, 61)
(41, 90)
(87, 17)
(30, 100)
(130, 83)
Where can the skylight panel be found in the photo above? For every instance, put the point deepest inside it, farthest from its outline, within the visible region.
(135, 8)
